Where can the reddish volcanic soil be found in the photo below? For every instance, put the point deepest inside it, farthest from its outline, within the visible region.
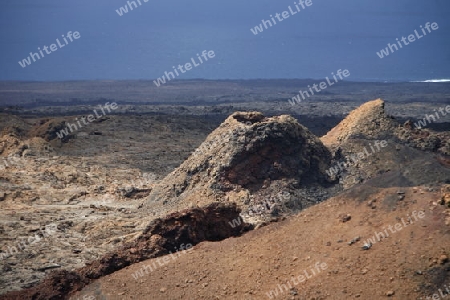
(411, 262)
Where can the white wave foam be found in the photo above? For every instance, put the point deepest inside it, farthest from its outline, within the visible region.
(435, 80)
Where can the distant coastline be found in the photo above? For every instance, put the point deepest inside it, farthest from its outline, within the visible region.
(63, 94)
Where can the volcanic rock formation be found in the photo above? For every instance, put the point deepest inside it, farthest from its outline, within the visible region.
(368, 121)
(161, 237)
(246, 159)
(353, 140)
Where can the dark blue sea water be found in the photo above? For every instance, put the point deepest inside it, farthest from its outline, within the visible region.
(149, 40)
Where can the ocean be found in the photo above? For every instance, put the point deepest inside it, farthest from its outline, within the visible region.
(157, 36)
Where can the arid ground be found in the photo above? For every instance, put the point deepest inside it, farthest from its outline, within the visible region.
(220, 165)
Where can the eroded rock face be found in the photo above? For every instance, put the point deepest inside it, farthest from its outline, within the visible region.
(161, 237)
(245, 157)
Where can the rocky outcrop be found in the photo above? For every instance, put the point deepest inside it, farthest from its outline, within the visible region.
(358, 156)
(424, 139)
(48, 129)
(370, 121)
(164, 235)
(13, 143)
(367, 121)
(161, 237)
(249, 156)
(9, 144)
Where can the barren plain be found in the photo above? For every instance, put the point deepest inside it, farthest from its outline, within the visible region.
(80, 215)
